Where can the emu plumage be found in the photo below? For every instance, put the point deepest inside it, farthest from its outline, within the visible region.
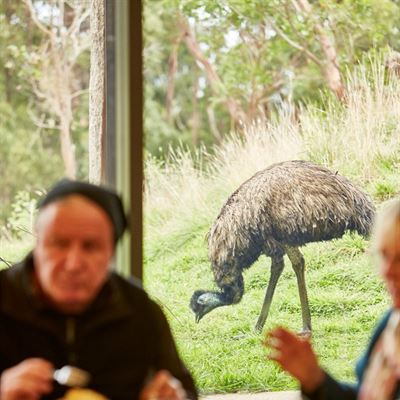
(274, 213)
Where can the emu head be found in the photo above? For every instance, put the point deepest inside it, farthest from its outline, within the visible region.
(202, 302)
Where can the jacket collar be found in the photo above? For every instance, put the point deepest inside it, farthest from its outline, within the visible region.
(20, 300)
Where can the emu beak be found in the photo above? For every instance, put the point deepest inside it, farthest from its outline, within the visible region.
(198, 318)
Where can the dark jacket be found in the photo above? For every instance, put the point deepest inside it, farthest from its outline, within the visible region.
(334, 390)
(121, 340)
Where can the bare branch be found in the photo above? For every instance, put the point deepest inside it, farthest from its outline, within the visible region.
(39, 122)
(79, 93)
(194, 48)
(35, 19)
(292, 43)
(172, 68)
(61, 7)
(331, 66)
(37, 92)
(233, 105)
(8, 263)
(213, 124)
(288, 17)
(79, 18)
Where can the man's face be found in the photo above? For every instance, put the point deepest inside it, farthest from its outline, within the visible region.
(73, 252)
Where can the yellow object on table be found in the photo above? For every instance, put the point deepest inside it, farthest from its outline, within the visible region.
(83, 394)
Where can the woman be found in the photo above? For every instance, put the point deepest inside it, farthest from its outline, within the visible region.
(378, 371)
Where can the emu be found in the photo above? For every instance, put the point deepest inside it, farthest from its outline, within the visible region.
(276, 211)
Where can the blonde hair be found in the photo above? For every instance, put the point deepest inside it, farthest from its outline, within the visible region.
(387, 226)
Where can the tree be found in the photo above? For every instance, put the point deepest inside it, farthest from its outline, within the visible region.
(328, 64)
(252, 59)
(29, 135)
(96, 90)
(55, 85)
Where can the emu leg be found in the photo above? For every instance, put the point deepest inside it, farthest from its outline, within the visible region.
(276, 271)
(297, 260)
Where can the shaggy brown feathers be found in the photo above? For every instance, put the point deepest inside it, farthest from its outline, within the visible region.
(274, 212)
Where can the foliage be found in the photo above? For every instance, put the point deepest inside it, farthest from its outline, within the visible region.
(267, 56)
(29, 160)
(21, 219)
(29, 144)
(359, 140)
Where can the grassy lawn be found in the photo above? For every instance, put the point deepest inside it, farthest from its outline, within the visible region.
(223, 351)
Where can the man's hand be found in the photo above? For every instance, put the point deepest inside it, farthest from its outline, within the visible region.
(296, 356)
(28, 380)
(163, 387)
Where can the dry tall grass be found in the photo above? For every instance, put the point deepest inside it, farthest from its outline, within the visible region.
(354, 137)
(187, 191)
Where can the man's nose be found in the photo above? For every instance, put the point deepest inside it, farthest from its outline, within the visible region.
(74, 259)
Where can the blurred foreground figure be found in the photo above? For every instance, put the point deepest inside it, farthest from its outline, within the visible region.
(63, 306)
(378, 371)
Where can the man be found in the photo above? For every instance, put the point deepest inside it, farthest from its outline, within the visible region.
(63, 306)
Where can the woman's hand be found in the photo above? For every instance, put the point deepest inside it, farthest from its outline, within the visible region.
(296, 356)
(163, 386)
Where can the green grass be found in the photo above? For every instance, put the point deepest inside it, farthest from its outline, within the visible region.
(223, 351)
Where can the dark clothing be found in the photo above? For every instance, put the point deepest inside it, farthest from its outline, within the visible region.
(334, 390)
(121, 340)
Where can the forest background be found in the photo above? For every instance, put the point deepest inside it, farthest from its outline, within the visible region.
(229, 87)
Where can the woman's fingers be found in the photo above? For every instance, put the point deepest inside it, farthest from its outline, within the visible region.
(295, 355)
(163, 387)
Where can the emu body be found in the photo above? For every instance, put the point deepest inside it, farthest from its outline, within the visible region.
(274, 213)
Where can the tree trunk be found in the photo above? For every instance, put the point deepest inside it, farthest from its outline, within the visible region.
(63, 106)
(331, 66)
(8, 83)
(195, 119)
(238, 116)
(67, 148)
(172, 68)
(213, 124)
(96, 91)
(55, 86)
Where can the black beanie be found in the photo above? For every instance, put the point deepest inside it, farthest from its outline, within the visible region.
(104, 197)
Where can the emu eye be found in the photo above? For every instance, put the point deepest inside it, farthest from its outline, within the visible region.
(202, 300)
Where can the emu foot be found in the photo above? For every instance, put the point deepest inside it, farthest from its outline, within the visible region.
(305, 333)
(259, 325)
(240, 336)
(258, 328)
